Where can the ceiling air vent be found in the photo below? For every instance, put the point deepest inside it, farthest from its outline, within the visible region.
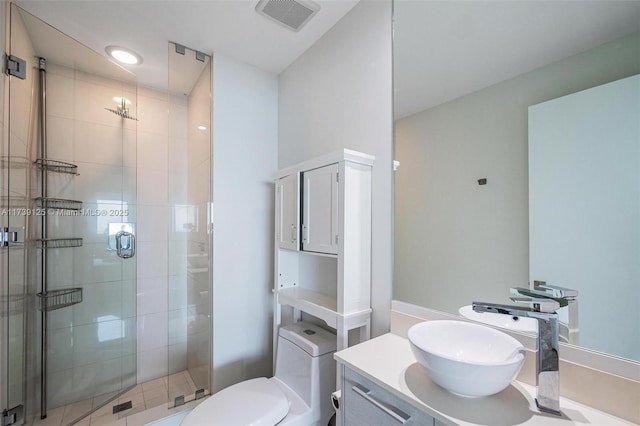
(293, 14)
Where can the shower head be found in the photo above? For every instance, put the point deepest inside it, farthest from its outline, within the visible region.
(124, 113)
(122, 110)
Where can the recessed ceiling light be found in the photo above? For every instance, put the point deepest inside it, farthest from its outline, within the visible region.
(124, 55)
(202, 128)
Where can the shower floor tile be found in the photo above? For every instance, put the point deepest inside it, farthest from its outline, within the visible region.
(149, 402)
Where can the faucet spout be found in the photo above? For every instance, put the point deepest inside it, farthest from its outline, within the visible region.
(547, 358)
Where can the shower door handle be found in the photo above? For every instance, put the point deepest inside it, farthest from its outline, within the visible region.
(125, 244)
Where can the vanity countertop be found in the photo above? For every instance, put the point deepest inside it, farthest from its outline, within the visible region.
(388, 361)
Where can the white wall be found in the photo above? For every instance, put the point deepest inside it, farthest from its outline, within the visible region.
(337, 95)
(455, 240)
(245, 146)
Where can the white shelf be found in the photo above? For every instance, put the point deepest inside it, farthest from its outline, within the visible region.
(337, 224)
(311, 302)
(316, 253)
(319, 305)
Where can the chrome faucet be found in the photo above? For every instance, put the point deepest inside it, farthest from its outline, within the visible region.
(571, 330)
(566, 297)
(547, 359)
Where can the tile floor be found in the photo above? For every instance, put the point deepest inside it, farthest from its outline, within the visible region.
(149, 403)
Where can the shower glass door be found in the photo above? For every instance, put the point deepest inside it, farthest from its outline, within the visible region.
(190, 232)
(71, 198)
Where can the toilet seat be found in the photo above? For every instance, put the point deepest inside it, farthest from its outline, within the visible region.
(256, 402)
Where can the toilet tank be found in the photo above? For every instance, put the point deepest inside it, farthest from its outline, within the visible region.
(304, 362)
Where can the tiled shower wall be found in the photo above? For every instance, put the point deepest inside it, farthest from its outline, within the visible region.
(91, 345)
(161, 181)
(152, 315)
(163, 177)
(161, 326)
(174, 332)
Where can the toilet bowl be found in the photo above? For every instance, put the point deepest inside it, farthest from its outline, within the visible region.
(298, 394)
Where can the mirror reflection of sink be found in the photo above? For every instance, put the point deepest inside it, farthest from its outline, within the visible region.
(466, 359)
(529, 325)
(198, 262)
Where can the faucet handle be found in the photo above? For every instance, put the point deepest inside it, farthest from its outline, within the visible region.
(537, 294)
(554, 290)
(538, 304)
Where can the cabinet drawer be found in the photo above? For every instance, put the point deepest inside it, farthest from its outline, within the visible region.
(366, 404)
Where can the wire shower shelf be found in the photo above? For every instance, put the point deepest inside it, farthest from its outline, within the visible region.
(57, 166)
(58, 242)
(56, 299)
(58, 203)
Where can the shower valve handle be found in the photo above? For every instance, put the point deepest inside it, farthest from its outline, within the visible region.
(125, 244)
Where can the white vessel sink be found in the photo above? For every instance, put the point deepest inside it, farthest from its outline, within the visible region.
(466, 359)
(529, 325)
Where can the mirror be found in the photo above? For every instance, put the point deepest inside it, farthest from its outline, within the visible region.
(465, 77)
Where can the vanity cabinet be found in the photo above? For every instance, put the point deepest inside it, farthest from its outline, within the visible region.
(323, 267)
(381, 376)
(364, 403)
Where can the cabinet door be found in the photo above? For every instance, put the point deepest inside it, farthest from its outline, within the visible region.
(288, 212)
(364, 403)
(320, 210)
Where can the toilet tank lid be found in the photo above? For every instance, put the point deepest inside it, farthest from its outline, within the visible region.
(312, 339)
(257, 402)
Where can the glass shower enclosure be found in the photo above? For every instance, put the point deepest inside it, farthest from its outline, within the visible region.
(91, 304)
(69, 222)
(190, 230)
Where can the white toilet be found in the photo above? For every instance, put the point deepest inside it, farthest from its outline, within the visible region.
(299, 394)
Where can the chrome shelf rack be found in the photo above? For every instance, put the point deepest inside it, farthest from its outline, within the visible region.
(56, 299)
(58, 203)
(46, 243)
(56, 166)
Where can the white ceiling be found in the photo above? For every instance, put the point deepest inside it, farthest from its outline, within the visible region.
(57, 48)
(230, 27)
(446, 49)
(442, 49)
